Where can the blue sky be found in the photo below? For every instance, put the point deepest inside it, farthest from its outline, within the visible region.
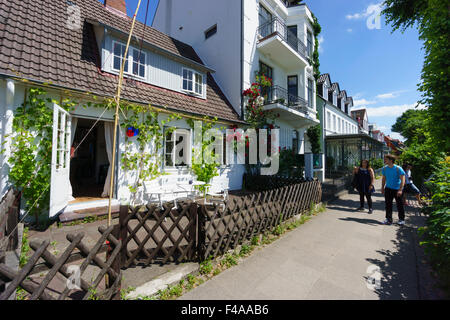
(379, 69)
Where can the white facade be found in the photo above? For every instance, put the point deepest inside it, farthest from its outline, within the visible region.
(249, 36)
(188, 21)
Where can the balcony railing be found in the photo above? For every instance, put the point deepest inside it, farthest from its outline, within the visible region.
(291, 3)
(278, 27)
(280, 95)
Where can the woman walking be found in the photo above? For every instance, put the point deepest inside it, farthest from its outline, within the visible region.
(365, 178)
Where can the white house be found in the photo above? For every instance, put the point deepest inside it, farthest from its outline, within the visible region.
(239, 39)
(340, 133)
(69, 58)
(337, 112)
(361, 116)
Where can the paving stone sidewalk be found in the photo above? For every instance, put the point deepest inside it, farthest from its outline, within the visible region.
(333, 256)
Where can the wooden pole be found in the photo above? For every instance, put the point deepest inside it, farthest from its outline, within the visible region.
(116, 116)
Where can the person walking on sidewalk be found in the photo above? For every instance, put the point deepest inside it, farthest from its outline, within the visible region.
(365, 178)
(409, 186)
(392, 185)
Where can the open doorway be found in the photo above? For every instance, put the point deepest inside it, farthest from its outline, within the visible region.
(89, 163)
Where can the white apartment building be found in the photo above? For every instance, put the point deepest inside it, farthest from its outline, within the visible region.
(337, 105)
(239, 39)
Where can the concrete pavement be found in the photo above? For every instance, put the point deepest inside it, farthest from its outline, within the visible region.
(332, 256)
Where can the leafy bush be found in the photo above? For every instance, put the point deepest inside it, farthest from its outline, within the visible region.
(291, 164)
(436, 233)
(376, 163)
(423, 159)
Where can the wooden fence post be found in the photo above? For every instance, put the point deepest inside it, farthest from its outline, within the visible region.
(193, 230)
(201, 233)
(123, 234)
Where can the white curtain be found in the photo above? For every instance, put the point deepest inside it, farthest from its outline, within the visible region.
(73, 129)
(109, 138)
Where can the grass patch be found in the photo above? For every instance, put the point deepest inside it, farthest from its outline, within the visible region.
(24, 252)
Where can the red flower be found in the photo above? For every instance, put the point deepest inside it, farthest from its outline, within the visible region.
(130, 133)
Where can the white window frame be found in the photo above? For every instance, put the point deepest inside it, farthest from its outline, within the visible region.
(194, 82)
(175, 133)
(130, 59)
(113, 57)
(132, 50)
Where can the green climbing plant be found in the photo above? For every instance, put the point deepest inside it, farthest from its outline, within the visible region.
(315, 56)
(204, 171)
(31, 148)
(146, 158)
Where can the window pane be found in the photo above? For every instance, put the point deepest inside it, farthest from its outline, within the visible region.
(117, 62)
(168, 160)
(198, 83)
(117, 49)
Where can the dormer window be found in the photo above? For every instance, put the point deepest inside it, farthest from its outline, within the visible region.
(192, 82)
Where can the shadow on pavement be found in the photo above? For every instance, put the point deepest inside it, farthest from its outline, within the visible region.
(404, 273)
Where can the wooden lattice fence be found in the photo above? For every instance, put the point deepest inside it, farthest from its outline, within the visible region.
(147, 235)
(158, 235)
(82, 281)
(264, 183)
(222, 229)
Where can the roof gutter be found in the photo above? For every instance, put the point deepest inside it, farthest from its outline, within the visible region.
(44, 84)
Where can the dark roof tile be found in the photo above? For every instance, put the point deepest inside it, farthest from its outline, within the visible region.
(36, 43)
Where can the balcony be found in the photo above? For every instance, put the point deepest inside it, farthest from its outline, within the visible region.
(290, 107)
(277, 42)
(291, 3)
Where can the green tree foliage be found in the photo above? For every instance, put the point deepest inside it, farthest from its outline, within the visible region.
(315, 57)
(433, 23)
(436, 235)
(204, 171)
(412, 125)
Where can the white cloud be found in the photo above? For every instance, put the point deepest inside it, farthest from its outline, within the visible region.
(369, 10)
(353, 16)
(391, 111)
(321, 40)
(390, 95)
(349, 30)
(362, 102)
(386, 96)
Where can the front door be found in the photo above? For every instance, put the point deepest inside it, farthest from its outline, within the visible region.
(60, 191)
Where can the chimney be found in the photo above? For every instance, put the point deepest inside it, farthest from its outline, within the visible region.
(118, 7)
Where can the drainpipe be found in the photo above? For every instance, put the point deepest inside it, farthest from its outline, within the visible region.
(7, 130)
